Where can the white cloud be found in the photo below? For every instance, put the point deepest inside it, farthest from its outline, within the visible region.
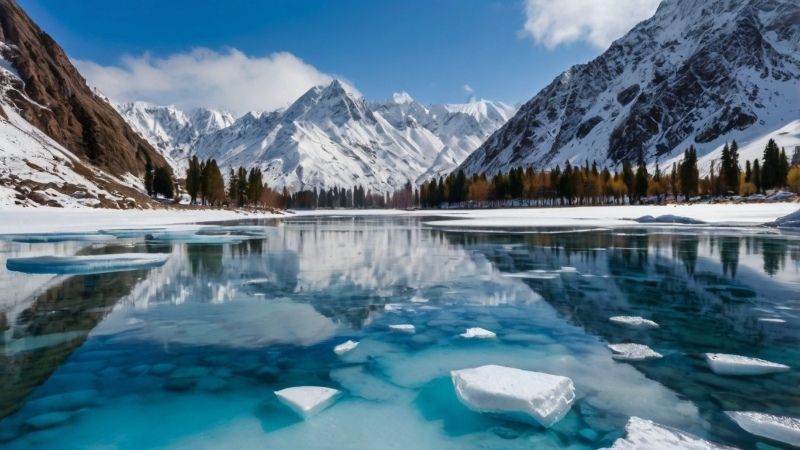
(598, 22)
(228, 80)
(468, 89)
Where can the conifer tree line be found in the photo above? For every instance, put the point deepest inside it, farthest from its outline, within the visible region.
(579, 185)
(588, 185)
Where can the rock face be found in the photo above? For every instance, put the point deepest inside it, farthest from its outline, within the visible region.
(696, 73)
(54, 97)
(40, 86)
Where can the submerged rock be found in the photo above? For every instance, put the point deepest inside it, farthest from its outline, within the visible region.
(307, 400)
(478, 333)
(633, 352)
(725, 364)
(49, 420)
(634, 321)
(345, 347)
(778, 428)
(647, 435)
(527, 396)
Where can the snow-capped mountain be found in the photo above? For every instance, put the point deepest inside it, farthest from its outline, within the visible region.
(330, 136)
(170, 130)
(699, 72)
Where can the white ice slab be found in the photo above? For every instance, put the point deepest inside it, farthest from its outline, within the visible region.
(724, 364)
(307, 400)
(647, 435)
(633, 352)
(514, 393)
(418, 299)
(345, 347)
(478, 333)
(87, 264)
(778, 428)
(405, 328)
(634, 321)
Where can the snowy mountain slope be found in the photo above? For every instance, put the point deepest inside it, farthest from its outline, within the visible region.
(697, 73)
(171, 130)
(330, 136)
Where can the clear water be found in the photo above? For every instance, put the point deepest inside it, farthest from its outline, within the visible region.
(188, 355)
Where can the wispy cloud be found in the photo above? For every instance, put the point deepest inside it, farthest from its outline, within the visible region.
(229, 80)
(468, 89)
(598, 22)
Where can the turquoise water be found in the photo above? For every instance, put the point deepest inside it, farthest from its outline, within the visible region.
(187, 355)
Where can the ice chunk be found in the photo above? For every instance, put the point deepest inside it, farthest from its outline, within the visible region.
(202, 239)
(345, 347)
(634, 321)
(87, 264)
(405, 328)
(669, 218)
(307, 400)
(646, 435)
(418, 299)
(778, 428)
(568, 269)
(633, 352)
(515, 393)
(478, 333)
(391, 307)
(724, 364)
(771, 320)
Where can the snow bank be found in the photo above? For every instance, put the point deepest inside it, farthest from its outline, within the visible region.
(609, 216)
(724, 364)
(405, 328)
(514, 393)
(633, 352)
(478, 333)
(634, 321)
(49, 220)
(345, 347)
(647, 435)
(307, 400)
(71, 265)
(778, 428)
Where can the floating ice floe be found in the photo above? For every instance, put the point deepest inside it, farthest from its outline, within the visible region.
(778, 428)
(405, 328)
(307, 400)
(392, 307)
(242, 230)
(345, 347)
(534, 275)
(724, 364)
(670, 218)
(125, 233)
(71, 265)
(202, 239)
(517, 394)
(478, 333)
(634, 321)
(568, 269)
(645, 434)
(43, 238)
(633, 352)
(418, 299)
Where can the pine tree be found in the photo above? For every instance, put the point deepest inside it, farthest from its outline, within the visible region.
(163, 183)
(771, 171)
(193, 179)
(733, 170)
(757, 181)
(233, 186)
(640, 188)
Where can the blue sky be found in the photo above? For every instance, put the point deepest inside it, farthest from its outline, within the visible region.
(429, 48)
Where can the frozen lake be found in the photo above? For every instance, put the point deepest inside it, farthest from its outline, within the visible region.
(185, 347)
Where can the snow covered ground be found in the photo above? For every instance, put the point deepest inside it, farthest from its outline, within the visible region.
(46, 220)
